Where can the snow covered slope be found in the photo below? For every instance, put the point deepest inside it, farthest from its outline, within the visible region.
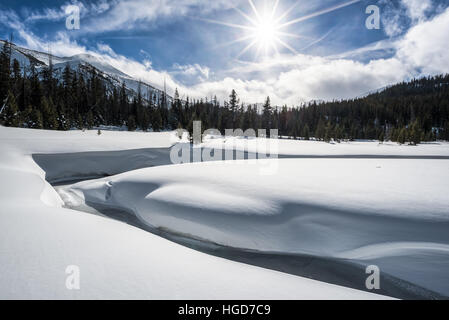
(85, 63)
(39, 239)
(391, 213)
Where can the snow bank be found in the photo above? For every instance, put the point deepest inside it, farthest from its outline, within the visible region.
(382, 211)
(315, 148)
(39, 239)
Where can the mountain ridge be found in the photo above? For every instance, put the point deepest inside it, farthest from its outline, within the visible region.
(111, 75)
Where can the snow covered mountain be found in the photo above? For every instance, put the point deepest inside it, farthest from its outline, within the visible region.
(85, 64)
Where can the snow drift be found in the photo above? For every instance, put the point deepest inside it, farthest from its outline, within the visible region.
(391, 213)
(39, 238)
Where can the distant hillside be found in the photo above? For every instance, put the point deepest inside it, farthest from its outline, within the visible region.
(85, 64)
(416, 87)
(422, 103)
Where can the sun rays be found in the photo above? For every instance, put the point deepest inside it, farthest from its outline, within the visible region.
(266, 29)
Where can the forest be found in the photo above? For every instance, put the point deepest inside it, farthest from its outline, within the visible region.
(35, 97)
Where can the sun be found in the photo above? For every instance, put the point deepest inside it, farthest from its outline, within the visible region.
(266, 29)
(265, 32)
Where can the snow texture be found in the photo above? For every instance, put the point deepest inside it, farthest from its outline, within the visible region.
(39, 238)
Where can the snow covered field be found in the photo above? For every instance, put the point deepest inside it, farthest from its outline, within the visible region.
(393, 213)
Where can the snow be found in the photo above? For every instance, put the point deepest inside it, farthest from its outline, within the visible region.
(359, 209)
(96, 62)
(288, 147)
(112, 75)
(39, 238)
(358, 186)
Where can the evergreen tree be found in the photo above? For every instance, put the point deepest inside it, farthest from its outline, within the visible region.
(176, 112)
(247, 119)
(320, 130)
(36, 120)
(306, 132)
(89, 120)
(381, 137)
(233, 106)
(10, 113)
(131, 123)
(17, 74)
(267, 115)
(329, 132)
(67, 76)
(124, 107)
(157, 120)
(415, 133)
(5, 72)
(402, 136)
(49, 114)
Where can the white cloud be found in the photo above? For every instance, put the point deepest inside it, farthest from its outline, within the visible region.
(425, 47)
(91, 9)
(421, 51)
(417, 9)
(395, 14)
(105, 49)
(288, 79)
(191, 72)
(47, 14)
(124, 15)
(309, 78)
(392, 24)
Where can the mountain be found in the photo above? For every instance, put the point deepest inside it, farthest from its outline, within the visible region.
(85, 64)
(413, 111)
(371, 92)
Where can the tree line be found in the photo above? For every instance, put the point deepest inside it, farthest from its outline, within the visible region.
(33, 97)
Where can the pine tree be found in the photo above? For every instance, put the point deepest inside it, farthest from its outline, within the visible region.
(394, 135)
(131, 123)
(233, 105)
(338, 133)
(35, 88)
(63, 117)
(247, 119)
(36, 120)
(320, 130)
(176, 112)
(90, 120)
(17, 72)
(381, 136)
(157, 120)
(124, 107)
(5, 72)
(10, 113)
(48, 80)
(306, 132)
(67, 75)
(402, 136)
(329, 132)
(415, 133)
(79, 122)
(267, 115)
(49, 114)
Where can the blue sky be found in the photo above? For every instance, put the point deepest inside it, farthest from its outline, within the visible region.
(328, 54)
